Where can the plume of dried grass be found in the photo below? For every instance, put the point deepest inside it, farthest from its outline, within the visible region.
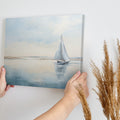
(86, 109)
(108, 84)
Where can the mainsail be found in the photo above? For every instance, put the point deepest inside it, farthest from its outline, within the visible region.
(61, 54)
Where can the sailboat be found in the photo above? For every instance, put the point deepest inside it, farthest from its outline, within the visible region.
(61, 55)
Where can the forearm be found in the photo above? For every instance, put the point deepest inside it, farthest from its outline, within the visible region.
(59, 111)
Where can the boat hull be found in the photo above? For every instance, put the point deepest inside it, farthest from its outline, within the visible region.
(62, 62)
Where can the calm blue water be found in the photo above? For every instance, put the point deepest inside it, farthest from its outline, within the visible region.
(39, 73)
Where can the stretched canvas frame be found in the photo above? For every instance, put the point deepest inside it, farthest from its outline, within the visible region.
(43, 51)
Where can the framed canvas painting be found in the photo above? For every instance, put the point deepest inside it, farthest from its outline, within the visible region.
(43, 51)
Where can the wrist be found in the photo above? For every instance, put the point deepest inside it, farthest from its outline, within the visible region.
(67, 105)
(71, 101)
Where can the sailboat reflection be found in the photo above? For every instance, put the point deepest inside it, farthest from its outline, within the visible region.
(60, 70)
(62, 60)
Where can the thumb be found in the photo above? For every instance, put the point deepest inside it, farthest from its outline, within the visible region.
(3, 71)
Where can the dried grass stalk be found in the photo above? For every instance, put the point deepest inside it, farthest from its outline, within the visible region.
(108, 89)
(86, 109)
(118, 73)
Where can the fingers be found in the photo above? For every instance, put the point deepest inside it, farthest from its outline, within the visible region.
(3, 72)
(75, 76)
(81, 80)
(7, 88)
(0, 70)
(1, 95)
(82, 77)
(12, 86)
(3, 85)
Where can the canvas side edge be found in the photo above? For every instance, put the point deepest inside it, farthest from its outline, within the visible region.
(2, 32)
(82, 38)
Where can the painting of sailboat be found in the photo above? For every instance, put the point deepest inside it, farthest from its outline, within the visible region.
(43, 51)
(61, 55)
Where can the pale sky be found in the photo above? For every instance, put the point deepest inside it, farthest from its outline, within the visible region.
(40, 36)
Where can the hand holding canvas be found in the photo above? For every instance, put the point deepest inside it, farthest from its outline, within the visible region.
(64, 107)
(3, 85)
(71, 92)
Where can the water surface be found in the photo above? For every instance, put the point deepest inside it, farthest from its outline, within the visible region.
(39, 73)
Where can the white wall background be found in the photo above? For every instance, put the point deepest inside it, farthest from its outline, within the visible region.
(102, 22)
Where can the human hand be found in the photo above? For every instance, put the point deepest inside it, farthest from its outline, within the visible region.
(71, 99)
(3, 85)
(71, 93)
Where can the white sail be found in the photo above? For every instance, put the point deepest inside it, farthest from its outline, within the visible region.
(61, 53)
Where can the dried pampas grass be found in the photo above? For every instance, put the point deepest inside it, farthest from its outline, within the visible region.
(108, 84)
(86, 110)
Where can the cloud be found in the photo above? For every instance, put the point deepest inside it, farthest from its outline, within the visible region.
(31, 49)
(73, 47)
(66, 23)
(40, 36)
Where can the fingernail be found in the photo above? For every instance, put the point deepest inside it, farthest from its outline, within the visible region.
(78, 73)
(11, 85)
(3, 69)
